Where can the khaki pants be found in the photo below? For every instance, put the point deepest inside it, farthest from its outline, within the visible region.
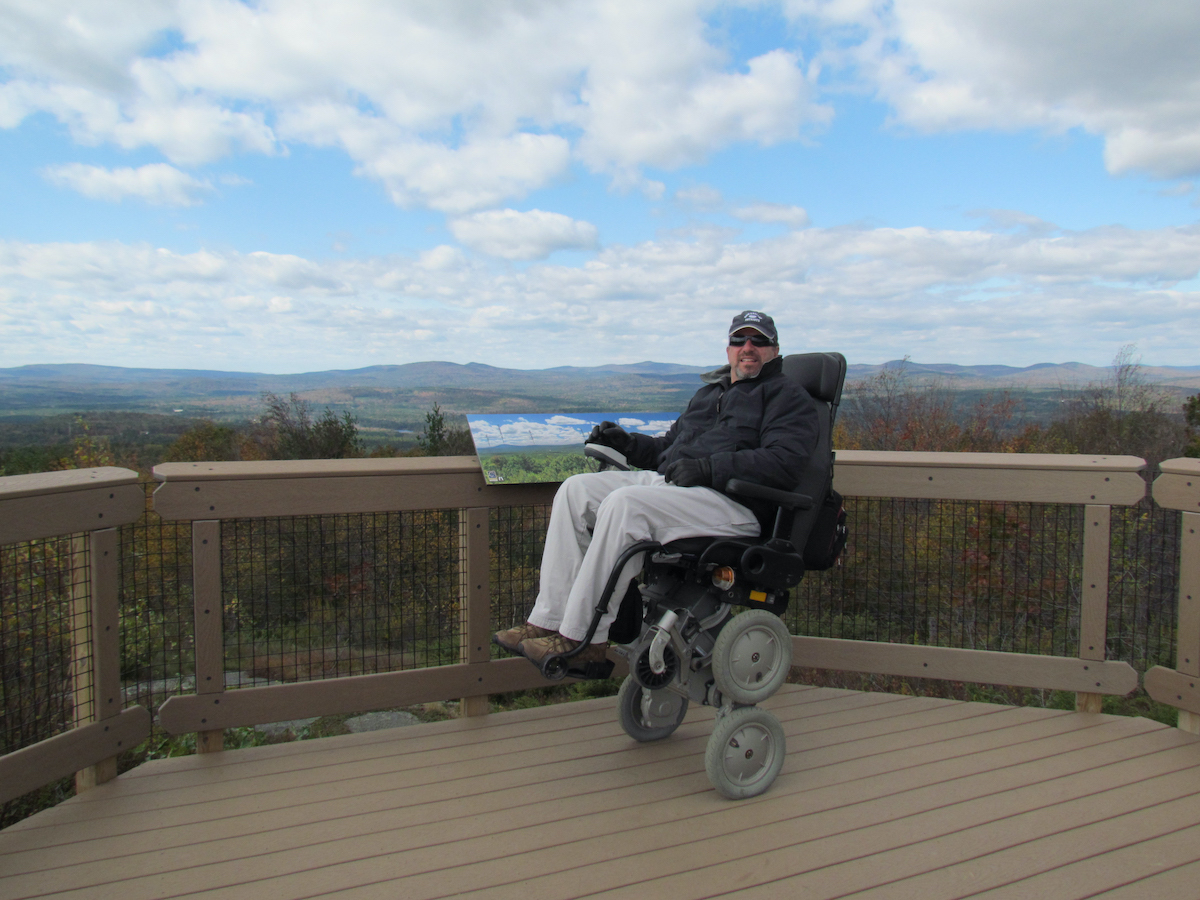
(596, 517)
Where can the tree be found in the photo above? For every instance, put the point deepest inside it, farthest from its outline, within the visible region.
(893, 411)
(87, 451)
(1124, 415)
(287, 431)
(440, 439)
(205, 441)
(433, 439)
(1191, 418)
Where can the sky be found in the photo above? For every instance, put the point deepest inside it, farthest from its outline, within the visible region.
(304, 185)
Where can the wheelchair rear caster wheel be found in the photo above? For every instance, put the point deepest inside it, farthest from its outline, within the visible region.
(648, 715)
(752, 656)
(745, 752)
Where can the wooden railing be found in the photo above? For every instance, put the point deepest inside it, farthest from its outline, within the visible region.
(205, 493)
(95, 501)
(1096, 482)
(1178, 487)
(90, 504)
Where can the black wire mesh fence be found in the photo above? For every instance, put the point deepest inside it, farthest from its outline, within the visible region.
(157, 653)
(45, 664)
(44, 640)
(517, 536)
(994, 576)
(328, 596)
(1143, 585)
(975, 575)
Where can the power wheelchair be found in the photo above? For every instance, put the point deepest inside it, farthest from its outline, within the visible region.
(679, 631)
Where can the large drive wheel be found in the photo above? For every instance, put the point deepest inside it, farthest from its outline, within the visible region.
(648, 715)
(752, 656)
(745, 752)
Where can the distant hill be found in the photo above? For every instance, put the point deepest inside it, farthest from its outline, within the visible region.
(392, 398)
(1039, 376)
(387, 396)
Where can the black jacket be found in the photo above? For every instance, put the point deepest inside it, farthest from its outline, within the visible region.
(761, 429)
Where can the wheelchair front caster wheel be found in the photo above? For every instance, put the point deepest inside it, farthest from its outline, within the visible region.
(745, 752)
(648, 715)
(554, 668)
(751, 656)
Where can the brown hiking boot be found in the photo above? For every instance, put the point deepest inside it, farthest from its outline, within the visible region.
(511, 639)
(537, 649)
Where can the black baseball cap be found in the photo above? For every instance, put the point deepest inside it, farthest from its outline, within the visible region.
(760, 322)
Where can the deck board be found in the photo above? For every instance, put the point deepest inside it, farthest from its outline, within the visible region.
(882, 796)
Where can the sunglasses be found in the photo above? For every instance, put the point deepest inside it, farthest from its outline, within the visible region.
(758, 340)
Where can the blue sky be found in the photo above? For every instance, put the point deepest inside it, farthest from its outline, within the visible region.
(288, 187)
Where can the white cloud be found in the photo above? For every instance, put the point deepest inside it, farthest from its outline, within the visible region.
(457, 105)
(535, 234)
(156, 183)
(1123, 71)
(700, 196)
(1017, 296)
(480, 174)
(774, 214)
(461, 106)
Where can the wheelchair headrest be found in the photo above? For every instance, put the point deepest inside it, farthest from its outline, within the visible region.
(821, 374)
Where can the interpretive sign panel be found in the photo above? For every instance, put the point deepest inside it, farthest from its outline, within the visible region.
(541, 447)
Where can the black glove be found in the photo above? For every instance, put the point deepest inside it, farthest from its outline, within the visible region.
(610, 434)
(690, 472)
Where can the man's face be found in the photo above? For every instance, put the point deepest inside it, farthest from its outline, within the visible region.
(747, 360)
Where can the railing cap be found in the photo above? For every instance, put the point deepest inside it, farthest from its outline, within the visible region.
(1178, 484)
(1043, 461)
(1180, 466)
(13, 487)
(315, 468)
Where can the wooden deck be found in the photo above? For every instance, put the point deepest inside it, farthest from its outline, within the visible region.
(881, 796)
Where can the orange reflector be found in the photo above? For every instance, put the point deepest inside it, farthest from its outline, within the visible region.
(758, 596)
(722, 577)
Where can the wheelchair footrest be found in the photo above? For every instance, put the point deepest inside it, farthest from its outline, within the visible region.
(591, 670)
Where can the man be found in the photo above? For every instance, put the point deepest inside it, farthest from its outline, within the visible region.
(748, 422)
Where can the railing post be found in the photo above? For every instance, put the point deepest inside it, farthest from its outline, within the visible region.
(1187, 654)
(474, 556)
(209, 613)
(81, 632)
(98, 690)
(1093, 608)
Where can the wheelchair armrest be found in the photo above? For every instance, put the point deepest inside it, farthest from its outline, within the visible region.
(607, 456)
(786, 499)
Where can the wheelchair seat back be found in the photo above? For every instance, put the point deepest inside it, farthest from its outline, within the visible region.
(822, 375)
